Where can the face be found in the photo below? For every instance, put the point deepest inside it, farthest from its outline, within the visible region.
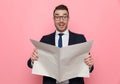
(61, 18)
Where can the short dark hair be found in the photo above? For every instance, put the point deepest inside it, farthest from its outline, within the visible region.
(61, 7)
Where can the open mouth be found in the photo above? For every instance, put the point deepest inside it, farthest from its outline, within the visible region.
(61, 24)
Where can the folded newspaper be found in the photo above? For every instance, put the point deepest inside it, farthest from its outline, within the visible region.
(61, 63)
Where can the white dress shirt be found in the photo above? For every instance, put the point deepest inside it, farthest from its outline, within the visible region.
(65, 40)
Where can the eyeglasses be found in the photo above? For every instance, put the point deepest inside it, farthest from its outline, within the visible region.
(59, 17)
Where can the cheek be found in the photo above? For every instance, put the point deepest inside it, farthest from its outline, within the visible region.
(56, 23)
(66, 23)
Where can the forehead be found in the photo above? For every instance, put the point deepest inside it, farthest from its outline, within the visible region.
(61, 12)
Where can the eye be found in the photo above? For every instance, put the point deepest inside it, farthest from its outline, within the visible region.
(64, 17)
(56, 17)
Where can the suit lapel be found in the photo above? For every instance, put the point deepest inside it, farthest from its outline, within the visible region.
(52, 39)
(70, 38)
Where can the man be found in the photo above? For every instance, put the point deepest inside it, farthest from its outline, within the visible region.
(61, 18)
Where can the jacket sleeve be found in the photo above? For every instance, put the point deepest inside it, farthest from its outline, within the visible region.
(29, 63)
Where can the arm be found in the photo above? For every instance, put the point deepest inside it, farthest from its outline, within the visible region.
(88, 60)
(80, 38)
(33, 57)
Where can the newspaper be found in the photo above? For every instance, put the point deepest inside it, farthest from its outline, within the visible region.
(61, 63)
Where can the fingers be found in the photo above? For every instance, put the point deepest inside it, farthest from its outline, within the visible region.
(34, 56)
(89, 60)
(35, 53)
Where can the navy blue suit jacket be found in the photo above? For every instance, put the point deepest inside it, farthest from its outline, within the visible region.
(73, 39)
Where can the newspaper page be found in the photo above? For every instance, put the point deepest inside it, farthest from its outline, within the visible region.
(61, 63)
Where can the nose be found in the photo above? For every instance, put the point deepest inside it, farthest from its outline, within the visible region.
(61, 19)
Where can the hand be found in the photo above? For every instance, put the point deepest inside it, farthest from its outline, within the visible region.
(89, 61)
(34, 56)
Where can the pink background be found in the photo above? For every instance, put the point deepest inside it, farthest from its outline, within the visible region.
(21, 20)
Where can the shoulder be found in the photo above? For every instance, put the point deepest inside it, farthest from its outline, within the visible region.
(76, 34)
(48, 38)
(77, 37)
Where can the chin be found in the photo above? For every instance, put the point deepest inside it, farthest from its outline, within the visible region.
(62, 30)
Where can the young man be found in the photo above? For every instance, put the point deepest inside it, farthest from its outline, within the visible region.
(61, 19)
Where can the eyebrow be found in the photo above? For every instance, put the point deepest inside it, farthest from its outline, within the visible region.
(63, 14)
